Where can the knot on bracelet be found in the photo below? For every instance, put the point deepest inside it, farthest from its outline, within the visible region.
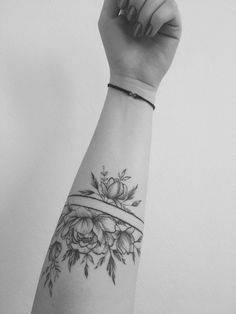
(131, 94)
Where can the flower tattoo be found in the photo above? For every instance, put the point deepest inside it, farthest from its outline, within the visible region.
(91, 237)
(113, 190)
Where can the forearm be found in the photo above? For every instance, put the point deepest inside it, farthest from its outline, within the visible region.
(121, 141)
(97, 242)
(92, 262)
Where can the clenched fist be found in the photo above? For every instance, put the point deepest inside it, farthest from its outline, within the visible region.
(140, 38)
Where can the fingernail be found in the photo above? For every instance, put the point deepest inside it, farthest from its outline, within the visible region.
(122, 3)
(132, 12)
(137, 29)
(149, 30)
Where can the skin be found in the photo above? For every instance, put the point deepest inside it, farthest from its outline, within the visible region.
(144, 59)
(121, 141)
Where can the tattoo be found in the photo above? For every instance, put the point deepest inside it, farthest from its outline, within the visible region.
(113, 190)
(88, 235)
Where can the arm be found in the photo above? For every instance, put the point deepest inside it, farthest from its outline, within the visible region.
(92, 262)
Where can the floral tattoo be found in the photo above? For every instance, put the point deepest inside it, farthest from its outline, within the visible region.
(92, 237)
(113, 190)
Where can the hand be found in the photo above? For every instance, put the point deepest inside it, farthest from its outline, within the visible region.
(135, 50)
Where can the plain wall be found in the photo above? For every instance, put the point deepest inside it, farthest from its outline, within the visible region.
(53, 76)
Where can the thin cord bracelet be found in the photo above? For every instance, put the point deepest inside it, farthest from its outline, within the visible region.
(131, 94)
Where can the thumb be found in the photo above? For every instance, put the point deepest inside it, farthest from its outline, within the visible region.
(110, 9)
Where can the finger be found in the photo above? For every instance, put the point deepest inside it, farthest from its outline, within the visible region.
(172, 29)
(167, 16)
(133, 9)
(123, 12)
(145, 14)
(122, 4)
(110, 9)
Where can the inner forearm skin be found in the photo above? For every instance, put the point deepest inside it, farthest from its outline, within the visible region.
(92, 262)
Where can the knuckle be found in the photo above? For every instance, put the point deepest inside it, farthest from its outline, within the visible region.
(101, 26)
(145, 12)
(101, 22)
(157, 17)
(133, 3)
(139, 3)
(173, 5)
(180, 26)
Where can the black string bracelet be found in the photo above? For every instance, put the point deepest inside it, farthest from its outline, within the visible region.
(131, 94)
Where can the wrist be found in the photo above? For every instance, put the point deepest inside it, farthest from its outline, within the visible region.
(136, 86)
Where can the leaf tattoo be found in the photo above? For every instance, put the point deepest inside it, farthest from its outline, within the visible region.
(94, 181)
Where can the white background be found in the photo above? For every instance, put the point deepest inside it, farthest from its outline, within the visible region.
(53, 76)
